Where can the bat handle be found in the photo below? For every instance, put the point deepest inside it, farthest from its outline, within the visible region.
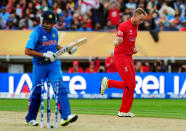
(62, 51)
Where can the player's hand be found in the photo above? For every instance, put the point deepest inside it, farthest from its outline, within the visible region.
(73, 50)
(49, 55)
(134, 51)
(116, 43)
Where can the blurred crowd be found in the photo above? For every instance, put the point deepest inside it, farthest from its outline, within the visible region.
(93, 15)
(145, 66)
(108, 66)
(94, 67)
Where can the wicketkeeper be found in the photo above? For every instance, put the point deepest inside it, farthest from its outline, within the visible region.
(42, 45)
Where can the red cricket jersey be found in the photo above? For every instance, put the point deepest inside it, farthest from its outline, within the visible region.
(183, 29)
(114, 16)
(129, 34)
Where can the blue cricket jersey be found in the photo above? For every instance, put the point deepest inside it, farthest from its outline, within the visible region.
(42, 41)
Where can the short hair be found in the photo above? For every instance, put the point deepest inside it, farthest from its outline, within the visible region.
(140, 11)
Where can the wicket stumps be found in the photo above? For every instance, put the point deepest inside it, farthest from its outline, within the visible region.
(48, 104)
(56, 104)
(42, 103)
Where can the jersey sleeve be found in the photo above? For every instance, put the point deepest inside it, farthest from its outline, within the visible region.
(32, 40)
(57, 35)
(120, 31)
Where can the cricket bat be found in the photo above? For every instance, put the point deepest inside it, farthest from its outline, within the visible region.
(67, 48)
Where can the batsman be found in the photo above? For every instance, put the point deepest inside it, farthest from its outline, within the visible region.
(42, 45)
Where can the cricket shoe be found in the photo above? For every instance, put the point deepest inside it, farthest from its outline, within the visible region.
(71, 118)
(32, 123)
(104, 85)
(128, 114)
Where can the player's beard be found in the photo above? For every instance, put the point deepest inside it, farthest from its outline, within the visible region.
(48, 28)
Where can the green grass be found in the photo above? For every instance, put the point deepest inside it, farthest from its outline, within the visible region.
(162, 108)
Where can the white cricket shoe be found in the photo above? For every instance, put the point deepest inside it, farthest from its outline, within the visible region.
(32, 123)
(104, 85)
(128, 114)
(71, 118)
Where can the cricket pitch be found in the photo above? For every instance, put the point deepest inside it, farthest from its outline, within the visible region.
(14, 121)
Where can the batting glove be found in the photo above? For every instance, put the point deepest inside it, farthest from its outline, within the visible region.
(49, 55)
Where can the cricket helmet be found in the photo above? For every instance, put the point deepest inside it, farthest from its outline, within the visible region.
(48, 16)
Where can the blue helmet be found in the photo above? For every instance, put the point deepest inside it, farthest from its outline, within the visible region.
(48, 16)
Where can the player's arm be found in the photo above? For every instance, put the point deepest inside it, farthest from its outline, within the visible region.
(118, 40)
(119, 37)
(59, 47)
(48, 55)
(33, 53)
(30, 46)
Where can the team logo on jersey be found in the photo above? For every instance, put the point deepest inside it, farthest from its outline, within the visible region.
(120, 32)
(130, 32)
(53, 35)
(126, 69)
(44, 38)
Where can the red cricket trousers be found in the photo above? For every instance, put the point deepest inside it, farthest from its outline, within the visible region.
(125, 67)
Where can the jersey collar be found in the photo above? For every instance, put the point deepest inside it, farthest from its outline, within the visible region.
(43, 29)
